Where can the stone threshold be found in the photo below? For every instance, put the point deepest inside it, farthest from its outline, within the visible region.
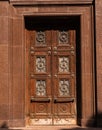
(51, 128)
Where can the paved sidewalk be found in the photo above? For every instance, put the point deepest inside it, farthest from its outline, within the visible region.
(51, 128)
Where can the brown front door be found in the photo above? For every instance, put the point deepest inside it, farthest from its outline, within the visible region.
(52, 76)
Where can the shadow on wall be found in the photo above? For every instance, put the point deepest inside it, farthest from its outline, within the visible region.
(4, 125)
(97, 122)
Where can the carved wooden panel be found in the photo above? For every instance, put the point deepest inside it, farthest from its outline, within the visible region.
(40, 87)
(40, 64)
(64, 87)
(63, 64)
(40, 39)
(63, 37)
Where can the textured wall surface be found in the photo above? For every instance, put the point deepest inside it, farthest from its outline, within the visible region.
(99, 57)
(4, 61)
(11, 70)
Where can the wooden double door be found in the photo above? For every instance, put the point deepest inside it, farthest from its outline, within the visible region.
(51, 76)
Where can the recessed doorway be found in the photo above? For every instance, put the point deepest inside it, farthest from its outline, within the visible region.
(51, 70)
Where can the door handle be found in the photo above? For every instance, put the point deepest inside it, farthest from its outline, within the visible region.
(32, 75)
(49, 52)
(49, 48)
(65, 100)
(32, 48)
(33, 99)
(72, 52)
(55, 75)
(55, 53)
(49, 75)
(55, 48)
(32, 52)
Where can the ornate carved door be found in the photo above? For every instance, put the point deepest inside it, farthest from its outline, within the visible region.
(52, 76)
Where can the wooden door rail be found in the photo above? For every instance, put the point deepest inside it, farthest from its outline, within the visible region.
(40, 99)
(56, 100)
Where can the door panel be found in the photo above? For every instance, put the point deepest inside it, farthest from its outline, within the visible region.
(40, 77)
(64, 77)
(52, 77)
